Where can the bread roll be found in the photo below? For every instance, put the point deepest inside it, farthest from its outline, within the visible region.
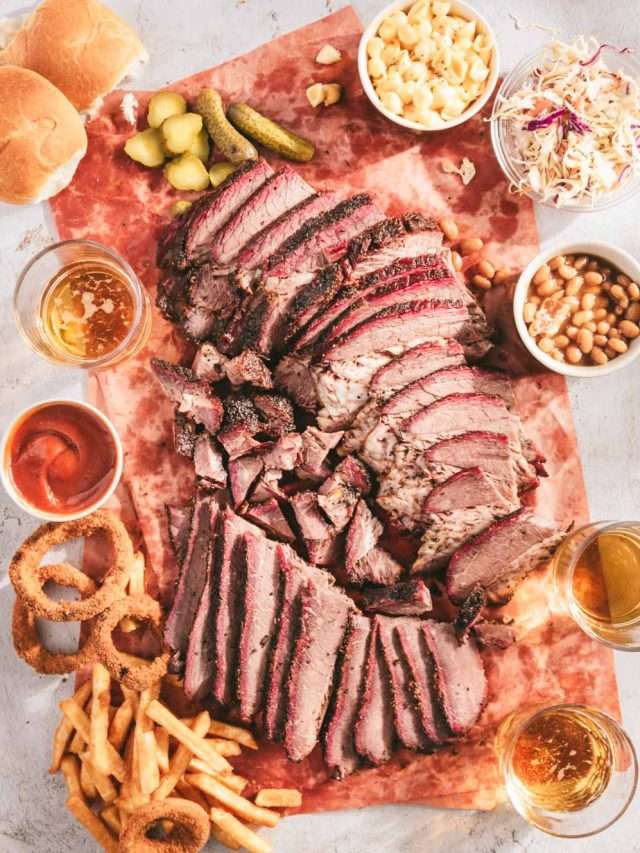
(81, 46)
(42, 137)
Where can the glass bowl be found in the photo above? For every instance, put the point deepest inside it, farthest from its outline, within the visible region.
(504, 142)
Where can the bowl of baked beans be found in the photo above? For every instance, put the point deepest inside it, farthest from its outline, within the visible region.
(577, 308)
(428, 65)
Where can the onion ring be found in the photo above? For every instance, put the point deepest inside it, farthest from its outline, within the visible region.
(189, 834)
(132, 671)
(25, 562)
(24, 627)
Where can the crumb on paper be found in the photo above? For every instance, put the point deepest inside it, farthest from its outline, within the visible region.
(519, 25)
(129, 107)
(35, 239)
(466, 169)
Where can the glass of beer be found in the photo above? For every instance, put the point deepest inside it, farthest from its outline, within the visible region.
(80, 304)
(597, 575)
(570, 770)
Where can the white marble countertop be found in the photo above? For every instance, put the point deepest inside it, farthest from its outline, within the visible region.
(186, 37)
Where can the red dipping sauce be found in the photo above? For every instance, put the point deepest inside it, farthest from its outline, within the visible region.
(61, 458)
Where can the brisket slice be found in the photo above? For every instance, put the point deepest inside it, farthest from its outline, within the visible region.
(192, 578)
(199, 671)
(338, 733)
(268, 515)
(430, 284)
(422, 677)
(228, 592)
(178, 525)
(278, 194)
(338, 495)
(284, 453)
(374, 730)
(379, 444)
(293, 375)
(398, 373)
(378, 566)
(448, 531)
(341, 388)
(508, 549)
(389, 241)
(323, 622)
(194, 397)
(468, 488)
(460, 678)
(408, 723)
(268, 241)
(488, 450)
(276, 412)
(405, 271)
(322, 237)
(207, 462)
(293, 575)
(260, 607)
(261, 324)
(415, 364)
(190, 241)
(409, 598)
(401, 325)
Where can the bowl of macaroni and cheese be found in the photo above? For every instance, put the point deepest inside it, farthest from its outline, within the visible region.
(428, 65)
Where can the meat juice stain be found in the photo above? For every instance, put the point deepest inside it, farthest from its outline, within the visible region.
(87, 309)
(563, 760)
(606, 580)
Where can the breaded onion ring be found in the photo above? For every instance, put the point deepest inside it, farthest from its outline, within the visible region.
(132, 671)
(25, 562)
(189, 834)
(26, 639)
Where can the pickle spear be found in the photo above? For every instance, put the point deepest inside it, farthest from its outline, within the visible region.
(270, 134)
(226, 138)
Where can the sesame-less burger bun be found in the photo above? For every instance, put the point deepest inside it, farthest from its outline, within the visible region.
(42, 137)
(81, 46)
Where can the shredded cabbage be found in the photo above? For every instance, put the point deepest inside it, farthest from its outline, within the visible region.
(575, 124)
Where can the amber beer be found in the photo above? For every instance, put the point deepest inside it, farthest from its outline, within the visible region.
(569, 770)
(597, 575)
(79, 303)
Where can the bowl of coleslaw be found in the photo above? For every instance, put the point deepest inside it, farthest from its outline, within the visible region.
(565, 126)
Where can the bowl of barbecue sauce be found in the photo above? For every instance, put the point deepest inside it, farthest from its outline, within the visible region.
(61, 460)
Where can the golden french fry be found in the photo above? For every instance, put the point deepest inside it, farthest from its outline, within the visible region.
(279, 798)
(92, 823)
(65, 729)
(82, 724)
(240, 833)
(119, 726)
(162, 748)
(231, 780)
(99, 720)
(184, 735)
(77, 743)
(242, 736)
(105, 787)
(70, 766)
(180, 761)
(190, 793)
(86, 782)
(111, 817)
(147, 762)
(224, 838)
(234, 802)
(228, 748)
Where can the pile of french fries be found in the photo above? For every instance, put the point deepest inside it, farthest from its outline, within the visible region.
(117, 759)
